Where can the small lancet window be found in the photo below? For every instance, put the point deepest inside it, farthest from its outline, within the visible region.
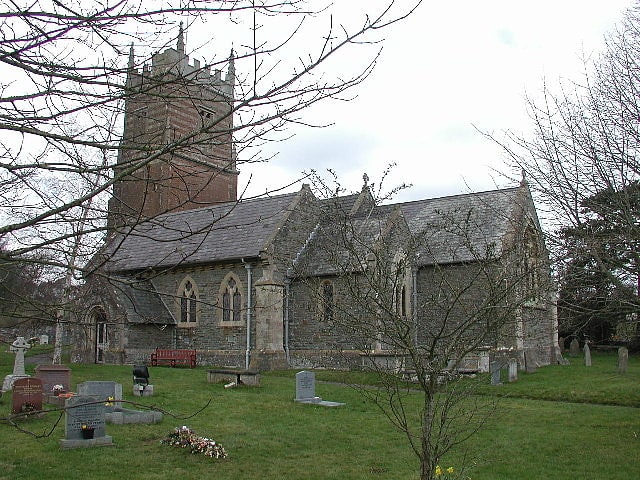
(327, 306)
(531, 264)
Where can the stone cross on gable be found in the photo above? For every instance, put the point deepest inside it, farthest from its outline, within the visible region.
(19, 346)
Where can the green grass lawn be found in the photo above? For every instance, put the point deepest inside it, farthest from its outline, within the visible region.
(568, 422)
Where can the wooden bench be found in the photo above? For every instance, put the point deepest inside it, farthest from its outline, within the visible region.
(173, 357)
(242, 377)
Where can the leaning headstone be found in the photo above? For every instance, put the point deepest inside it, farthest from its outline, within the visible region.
(623, 359)
(19, 346)
(306, 390)
(587, 355)
(103, 390)
(560, 360)
(495, 373)
(513, 370)
(27, 395)
(84, 413)
(574, 348)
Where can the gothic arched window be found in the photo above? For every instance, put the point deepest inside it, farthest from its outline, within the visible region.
(187, 299)
(231, 300)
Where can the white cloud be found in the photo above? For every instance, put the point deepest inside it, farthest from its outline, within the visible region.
(449, 68)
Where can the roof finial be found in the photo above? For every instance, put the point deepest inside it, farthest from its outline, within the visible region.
(131, 57)
(180, 46)
(231, 71)
(365, 178)
(524, 177)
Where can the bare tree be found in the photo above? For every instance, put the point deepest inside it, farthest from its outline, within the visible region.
(582, 163)
(421, 293)
(73, 70)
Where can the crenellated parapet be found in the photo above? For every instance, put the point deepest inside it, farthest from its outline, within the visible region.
(176, 62)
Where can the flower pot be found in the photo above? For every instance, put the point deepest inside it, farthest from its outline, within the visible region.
(87, 433)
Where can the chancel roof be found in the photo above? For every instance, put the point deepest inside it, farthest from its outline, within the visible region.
(460, 228)
(463, 228)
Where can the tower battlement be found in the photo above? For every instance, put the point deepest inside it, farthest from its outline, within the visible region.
(182, 112)
(175, 61)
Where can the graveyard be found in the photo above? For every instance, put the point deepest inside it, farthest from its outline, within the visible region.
(562, 422)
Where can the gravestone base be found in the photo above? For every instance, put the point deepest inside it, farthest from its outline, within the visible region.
(9, 380)
(52, 399)
(146, 391)
(120, 416)
(104, 441)
(319, 401)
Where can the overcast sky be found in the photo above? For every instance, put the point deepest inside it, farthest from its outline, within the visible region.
(451, 68)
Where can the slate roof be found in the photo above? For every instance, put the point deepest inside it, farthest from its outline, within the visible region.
(228, 231)
(463, 228)
(142, 303)
(453, 229)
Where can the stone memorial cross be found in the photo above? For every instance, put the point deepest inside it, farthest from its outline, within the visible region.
(19, 347)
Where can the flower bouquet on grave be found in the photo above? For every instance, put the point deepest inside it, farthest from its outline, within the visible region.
(184, 437)
(58, 389)
(87, 431)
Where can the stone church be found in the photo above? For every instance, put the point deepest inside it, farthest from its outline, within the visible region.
(294, 280)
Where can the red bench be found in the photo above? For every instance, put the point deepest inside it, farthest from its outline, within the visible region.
(173, 357)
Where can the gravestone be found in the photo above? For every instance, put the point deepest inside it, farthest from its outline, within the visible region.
(530, 361)
(44, 339)
(561, 344)
(587, 355)
(623, 359)
(19, 346)
(513, 370)
(89, 411)
(560, 360)
(306, 387)
(54, 375)
(483, 362)
(574, 348)
(495, 373)
(27, 395)
(306, 390)
(102, 390)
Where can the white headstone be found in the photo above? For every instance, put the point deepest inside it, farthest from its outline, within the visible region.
(587, 355)
(306, 387)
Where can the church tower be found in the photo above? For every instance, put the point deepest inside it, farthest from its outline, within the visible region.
(176, 151)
